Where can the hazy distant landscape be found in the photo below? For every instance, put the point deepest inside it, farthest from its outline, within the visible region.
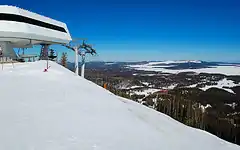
(200, 94)
(189, 66)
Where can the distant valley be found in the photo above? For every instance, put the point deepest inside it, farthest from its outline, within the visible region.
(203, 95)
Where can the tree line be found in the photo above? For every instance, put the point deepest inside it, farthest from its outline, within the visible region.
(190, 111)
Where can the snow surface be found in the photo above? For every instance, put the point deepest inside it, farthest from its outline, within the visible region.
(170, 87)
(205, 107)
(175, 62)
(145, 83)
(57, 110)
(233, 105)
(163, 64)
(110, 63)
(145, 92)
(133, 87)
(192, 86)
(222, 84)
(146, 74)
(227, 70)
(149, 91)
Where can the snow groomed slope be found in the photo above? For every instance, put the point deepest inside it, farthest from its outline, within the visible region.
(57, 110)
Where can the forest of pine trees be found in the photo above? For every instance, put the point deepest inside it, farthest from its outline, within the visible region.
(187, 108)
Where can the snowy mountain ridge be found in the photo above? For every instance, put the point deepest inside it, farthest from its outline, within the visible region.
(175, 62)
(58, 110)
(175, 67)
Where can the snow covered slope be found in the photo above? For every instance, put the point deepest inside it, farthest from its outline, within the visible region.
(57, 110)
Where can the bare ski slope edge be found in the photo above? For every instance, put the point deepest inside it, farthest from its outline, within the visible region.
(57, 110)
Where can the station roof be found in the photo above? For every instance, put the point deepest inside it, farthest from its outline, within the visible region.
(23, 28)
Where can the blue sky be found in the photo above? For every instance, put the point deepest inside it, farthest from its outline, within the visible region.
(132, 30)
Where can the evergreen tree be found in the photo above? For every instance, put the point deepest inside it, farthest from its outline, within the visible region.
(52, 55)
(63, 60)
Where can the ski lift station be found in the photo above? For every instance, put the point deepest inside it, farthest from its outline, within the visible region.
(20, 28)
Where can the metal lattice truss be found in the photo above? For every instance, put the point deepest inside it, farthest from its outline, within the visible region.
(82, 49)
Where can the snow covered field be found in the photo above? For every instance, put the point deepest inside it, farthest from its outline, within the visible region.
(161, 67)
(222, 84)
(57, 110)
(145, 92)
(174, 62)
